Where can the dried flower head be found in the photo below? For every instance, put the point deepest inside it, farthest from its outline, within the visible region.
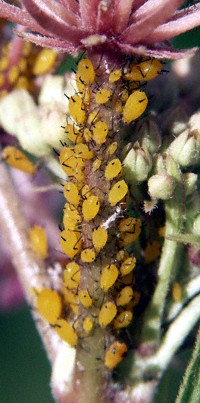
(131, 27)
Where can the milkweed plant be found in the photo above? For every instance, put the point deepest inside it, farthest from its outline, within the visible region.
(100, 210)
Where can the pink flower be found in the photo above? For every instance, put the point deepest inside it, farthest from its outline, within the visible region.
(140, 27)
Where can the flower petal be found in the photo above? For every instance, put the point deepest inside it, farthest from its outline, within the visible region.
(47, 41)
(157, 52)
(176, 26)
(150, 16)
(54, 17)
(88, 11)
(18, 16)
(122, 14)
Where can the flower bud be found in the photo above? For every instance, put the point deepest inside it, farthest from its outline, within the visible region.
(185, 149)
(196, 226)
(137, 164)
(190, 181)
(161, 186)
(159, 163)
(149, 135)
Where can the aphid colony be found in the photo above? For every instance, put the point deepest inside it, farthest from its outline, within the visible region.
(99, 294)
(19, 73)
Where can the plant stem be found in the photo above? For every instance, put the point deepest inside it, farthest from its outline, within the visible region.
(30, 270)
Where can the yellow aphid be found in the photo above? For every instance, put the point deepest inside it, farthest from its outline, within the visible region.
(121, 255)
(127, 266)
(102, 96)
(115, 75)
(85, 71)
(130, 229)
(44, 61)
(113, 169)
(4, 62)
(126, 238)
(17, 159)
(128, 279)
(70, 242)
(84, 298)
(22, 64)
(2, 79)
(117, 192)
(38, 238)
(123, 320)
(68, 161)
(134, 301)
(79, 176)
(107, 313)
(23, 82)
(124, 95)
(134, 106)
(88, 255)
(86, 191)
(112, 148)
(124, 296)
(13, 74)
(71, 300)
(93, 117)
(130, 224)
(27, 48)
(108, 277)
(119, 107)
(82, 151)
(87, 134)
(73, 134)
(88, 324)
(176, 292)
(99, 238)
(152, 251)
(161, 231)
(49, 305)
(90, 208)
(77, 109)
(71, 217)
(100, 131)
(85, 92)
(96, 164)
(71, 193)
(115, 354)
(72, 275)
(145, 71)
(66, 332)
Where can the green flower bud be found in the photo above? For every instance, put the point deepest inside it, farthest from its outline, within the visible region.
(161, 186)
(137, 164)
(185, 149)
(149, 135)
(159, 163)
(196, 226)
(190, 181)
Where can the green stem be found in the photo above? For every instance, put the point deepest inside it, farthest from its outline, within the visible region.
(189, 390)
(168, 263)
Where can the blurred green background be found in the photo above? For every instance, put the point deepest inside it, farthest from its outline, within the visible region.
(24, 368)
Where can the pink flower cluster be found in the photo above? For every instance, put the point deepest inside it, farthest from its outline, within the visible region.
(141, 27)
